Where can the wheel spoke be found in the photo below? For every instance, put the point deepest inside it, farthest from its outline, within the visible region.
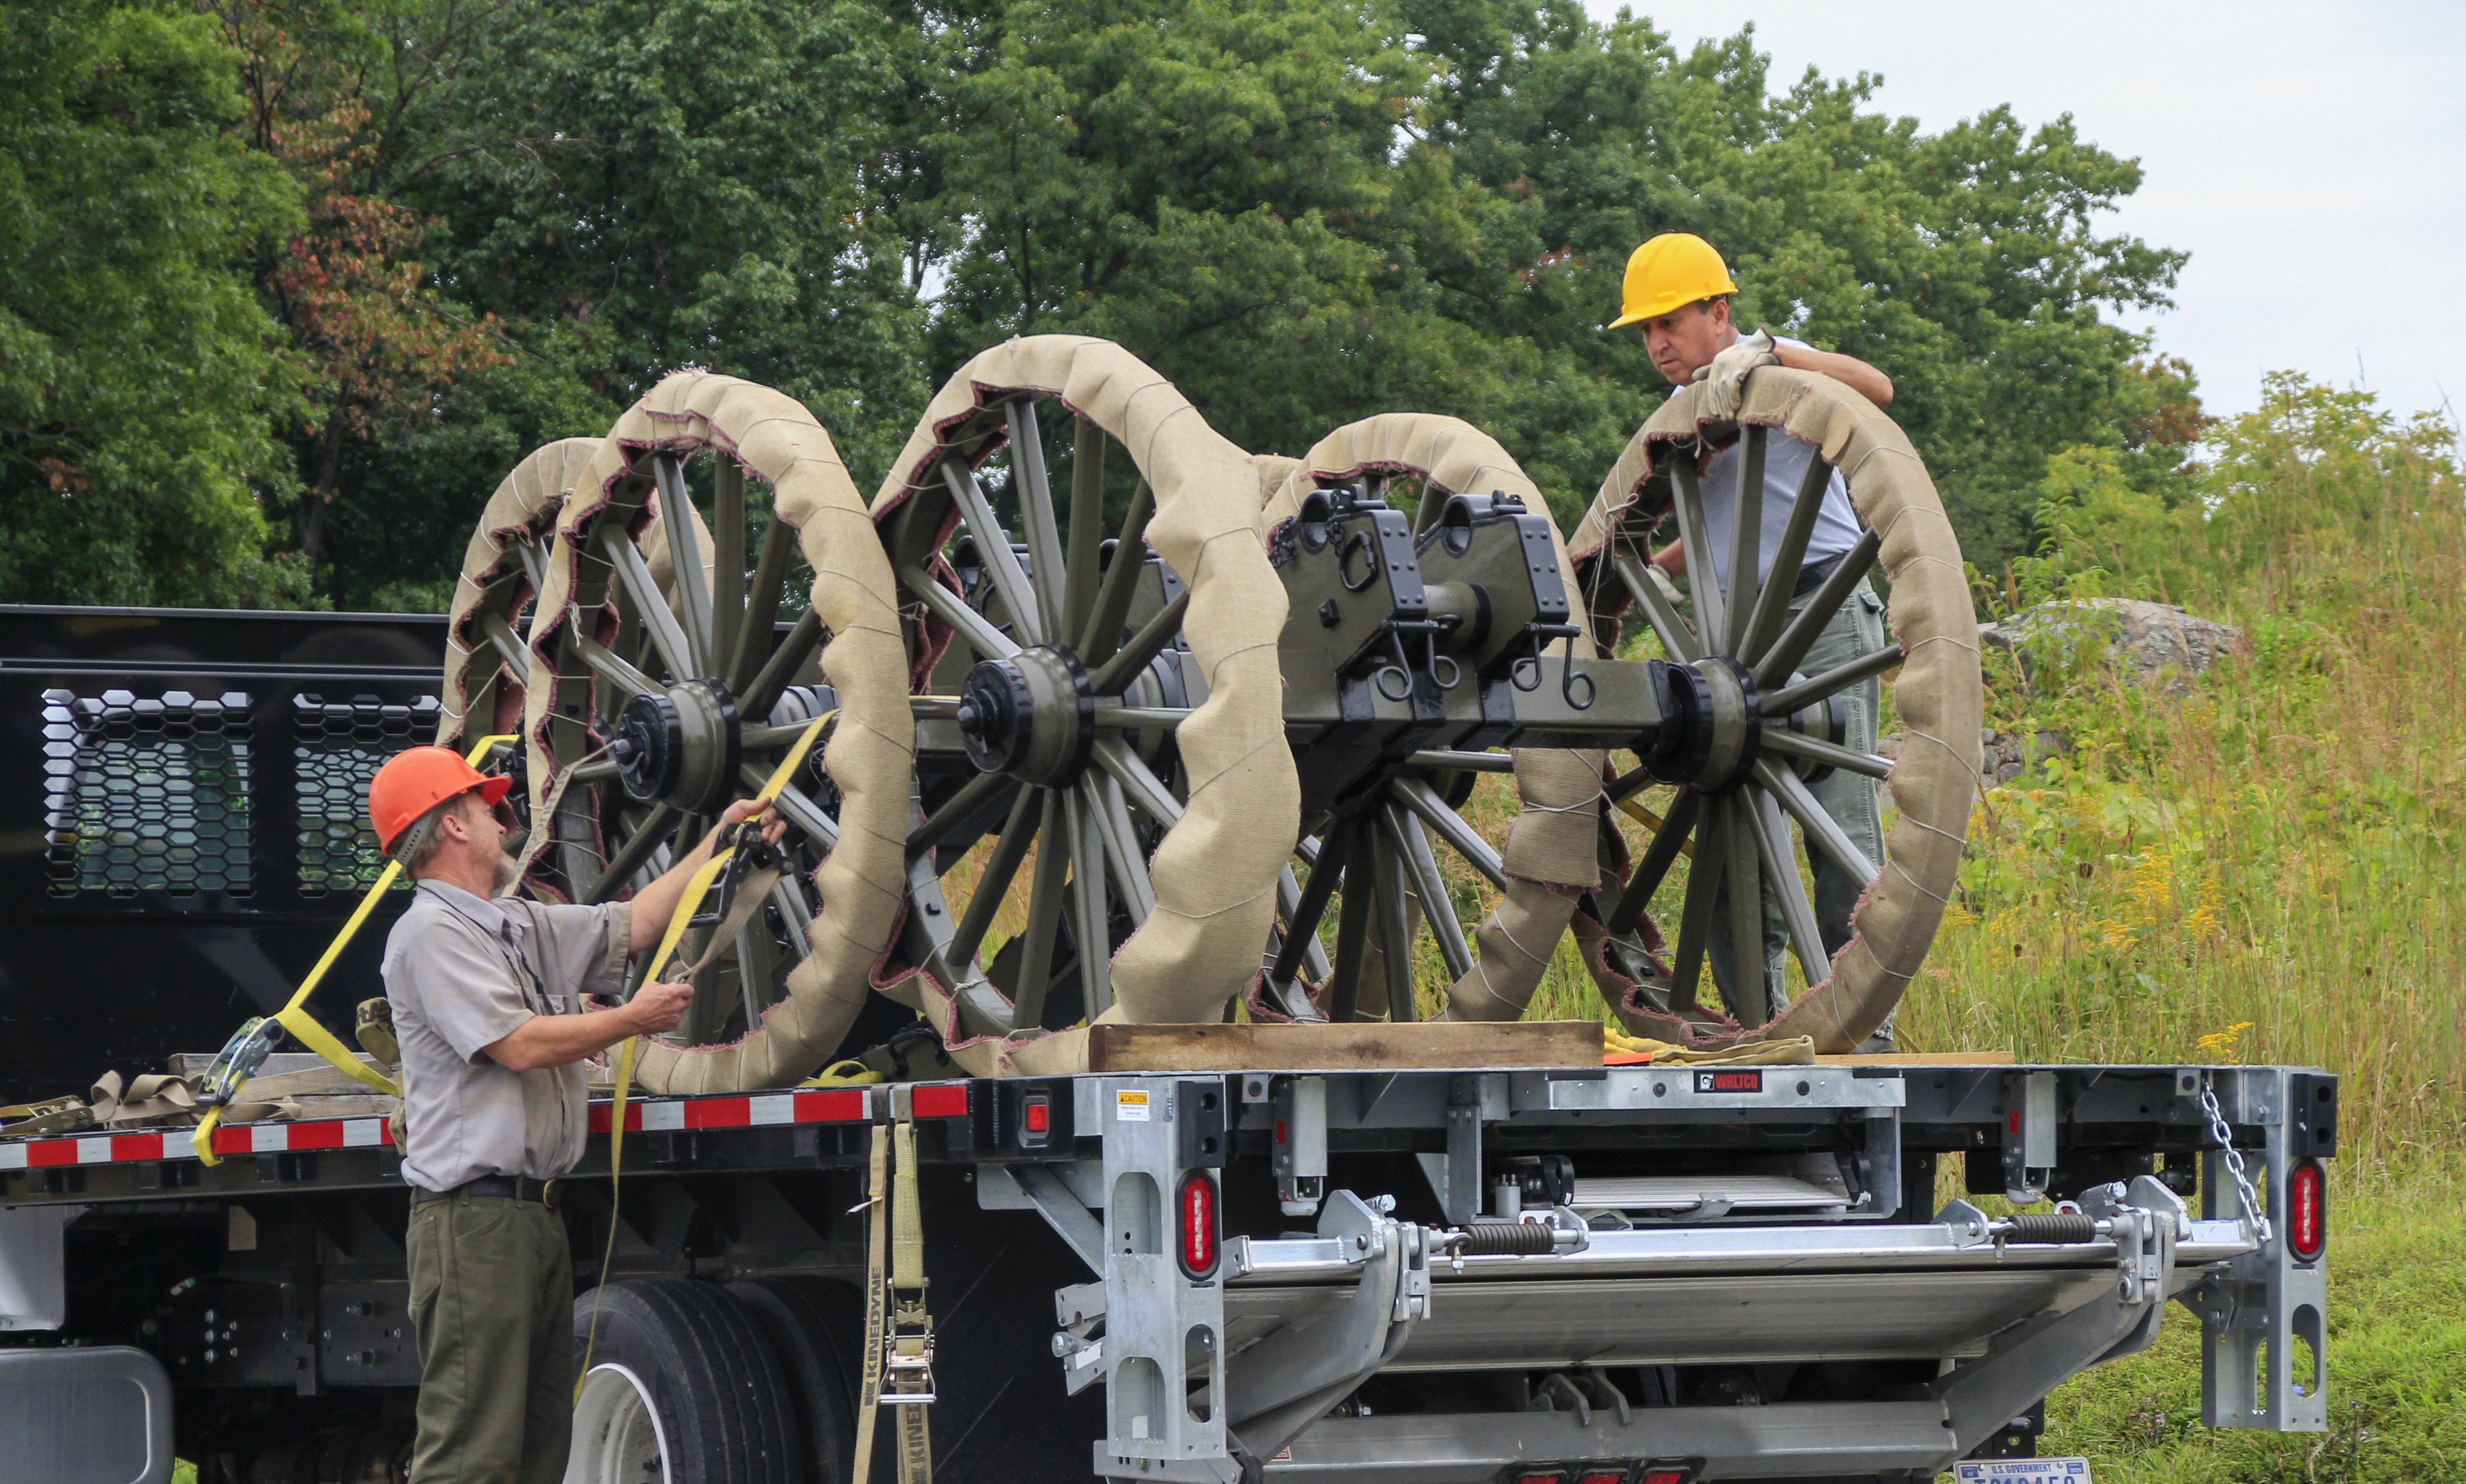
(1702, 583)
(1138, 780)
(1103, 634)
(1092, 923)
(630, 856)
(1781, 741)
(642, 597)
(1035, 513)
(1017, 832)
(1658, 857)
(1133, 656)
(798, 806)
(1086, 525)
(726, 564)
(1395, 924)
(790, 899)
(613, 668)
(1351, 921)
(973, 796)
(1695, 916)
(1448, 760)
(1288, 902)
(1746, 536)
(1301, 921)
(509, 649)
(1795, 641)
(1124, 859)
(1781, 866)
(993, 545)
(534, 562)
(762, 606)
(1832, 682)
(1424, 803)
(1045, 905)
(989, 643)
(684, 560)
(1772, 602)
(1413, 848)
(1749, 992)
(1677, 640)
(757, 969)
(782, 666)
(1823, 831)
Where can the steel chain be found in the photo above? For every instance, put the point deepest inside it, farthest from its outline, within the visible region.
(2225, 1135)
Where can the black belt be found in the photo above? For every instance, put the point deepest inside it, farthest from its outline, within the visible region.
(515, 1188)
(1811, 576)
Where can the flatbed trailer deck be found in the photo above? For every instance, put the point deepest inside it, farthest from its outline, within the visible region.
(1747, 1274)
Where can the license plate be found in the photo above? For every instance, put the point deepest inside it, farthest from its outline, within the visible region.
(2023, 1471)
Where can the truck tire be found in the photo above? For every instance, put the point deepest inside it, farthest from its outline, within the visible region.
(817, 1328)
(683, 1388)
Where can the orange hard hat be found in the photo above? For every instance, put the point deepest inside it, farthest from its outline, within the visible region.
(418, 780)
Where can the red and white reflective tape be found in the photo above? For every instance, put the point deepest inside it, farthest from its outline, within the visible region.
(243, 1138)
(719, 1110)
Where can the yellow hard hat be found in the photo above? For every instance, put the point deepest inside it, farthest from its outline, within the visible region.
(1675, 268)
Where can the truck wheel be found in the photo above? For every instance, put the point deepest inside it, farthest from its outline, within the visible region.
(682, 1389)
(817, 1326)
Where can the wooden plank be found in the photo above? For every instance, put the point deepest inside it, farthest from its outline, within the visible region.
(1367, 1046)
(1921, 1059)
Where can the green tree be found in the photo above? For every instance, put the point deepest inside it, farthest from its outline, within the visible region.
(138, 375)
(1967, 264)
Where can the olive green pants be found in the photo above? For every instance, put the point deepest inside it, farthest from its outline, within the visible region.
(492, 1297)
(1857, 629)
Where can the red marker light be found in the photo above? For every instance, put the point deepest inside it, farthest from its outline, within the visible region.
(1039, 1115)
(1199, 1246)
(1601, 1476)
(2307, 1210)
(1663, 1476)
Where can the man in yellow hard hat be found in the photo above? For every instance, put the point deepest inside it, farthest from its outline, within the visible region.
(1678, 289)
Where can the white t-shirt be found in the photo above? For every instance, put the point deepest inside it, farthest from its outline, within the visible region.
(1785, 460)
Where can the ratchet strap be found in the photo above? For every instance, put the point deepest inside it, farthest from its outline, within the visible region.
(294, 1016)
(898, 1331)
(746, 899)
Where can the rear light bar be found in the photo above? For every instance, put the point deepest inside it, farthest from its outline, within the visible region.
(1197, 1241)
(1655, 1472)
(2307, 1210)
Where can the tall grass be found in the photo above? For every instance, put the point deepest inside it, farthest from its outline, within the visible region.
(2267, 866)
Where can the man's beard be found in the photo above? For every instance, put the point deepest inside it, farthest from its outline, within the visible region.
(509, 871)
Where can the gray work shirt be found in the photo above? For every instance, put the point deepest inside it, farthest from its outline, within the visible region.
(1785, 462)
(463, 972)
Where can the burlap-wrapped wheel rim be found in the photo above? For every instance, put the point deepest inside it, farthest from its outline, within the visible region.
(1549, 859)
(631, 644)
(1739, 823)
(1058, 680)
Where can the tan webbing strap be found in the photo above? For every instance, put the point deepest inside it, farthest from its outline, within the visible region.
(877, 1262)
(909, 1357)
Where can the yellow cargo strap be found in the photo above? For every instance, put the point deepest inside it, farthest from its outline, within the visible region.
(1789, 1051)
(697, 886)
(294, 1016)
(898, 1332)
(1653, 823)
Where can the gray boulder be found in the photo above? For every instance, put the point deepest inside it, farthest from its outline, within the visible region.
(2148, 643)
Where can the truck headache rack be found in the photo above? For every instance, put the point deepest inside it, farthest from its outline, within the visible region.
(1460, 1274)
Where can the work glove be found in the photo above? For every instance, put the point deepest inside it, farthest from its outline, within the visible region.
(1725, 380)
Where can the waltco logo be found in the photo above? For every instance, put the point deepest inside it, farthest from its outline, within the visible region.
(1729, 1081)
(1129, 1107)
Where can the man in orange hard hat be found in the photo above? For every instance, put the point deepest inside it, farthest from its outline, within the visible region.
(487, 993)
(1679, 291)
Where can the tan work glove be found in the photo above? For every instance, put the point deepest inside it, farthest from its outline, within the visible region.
(1725, 380)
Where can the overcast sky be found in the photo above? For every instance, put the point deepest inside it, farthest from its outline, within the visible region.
(2312, 158)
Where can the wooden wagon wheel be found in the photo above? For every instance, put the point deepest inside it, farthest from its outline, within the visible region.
(661, 683)
(1377, 849)
(1745, 776)
(1110, 714)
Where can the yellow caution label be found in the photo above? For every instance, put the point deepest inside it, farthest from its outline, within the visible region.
(1129, 1107)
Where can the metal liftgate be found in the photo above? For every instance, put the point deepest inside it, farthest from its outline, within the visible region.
(1248, 1360)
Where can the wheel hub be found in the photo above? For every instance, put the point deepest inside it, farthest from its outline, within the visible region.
(679, 746)
(1714, 731)
(1031, 716)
